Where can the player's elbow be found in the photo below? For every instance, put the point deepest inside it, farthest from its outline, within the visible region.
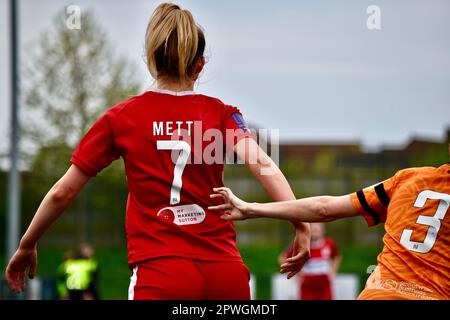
(61, 194)
(324, 210)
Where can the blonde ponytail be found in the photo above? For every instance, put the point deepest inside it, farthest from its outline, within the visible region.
(174, 43)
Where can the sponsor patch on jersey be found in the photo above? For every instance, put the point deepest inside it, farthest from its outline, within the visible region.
(183, 215)
(239, 120)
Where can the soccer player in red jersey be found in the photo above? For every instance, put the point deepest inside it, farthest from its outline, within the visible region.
(172, 141)
(316, 277)
(414, 207)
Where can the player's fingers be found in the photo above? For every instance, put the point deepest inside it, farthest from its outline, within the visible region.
(226, 192)
(220, 189)
(32, 270)
(289, 267)
(298, 257)
(285, 271)
(232, 216)
(220, 207)
(291, 274)
(16, 282)
(295, 262)
(21, 281)
(11, 277)
(294, 259)
(216, 195)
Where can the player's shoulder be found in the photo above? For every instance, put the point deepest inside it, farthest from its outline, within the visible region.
(410, 173)
(212, 100)
(217, 103)
(126, 104)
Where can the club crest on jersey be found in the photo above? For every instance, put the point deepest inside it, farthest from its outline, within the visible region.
(183, 215)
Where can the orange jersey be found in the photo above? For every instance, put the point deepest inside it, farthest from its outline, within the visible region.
(415, 261)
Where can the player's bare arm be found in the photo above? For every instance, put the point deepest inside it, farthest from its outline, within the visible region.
(313, 209)
(60, 196)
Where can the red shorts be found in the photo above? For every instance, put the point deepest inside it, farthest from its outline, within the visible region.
(173, 278)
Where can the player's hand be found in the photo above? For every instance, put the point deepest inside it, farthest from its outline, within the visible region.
(23, 259)
(235, 207)
(300, 252)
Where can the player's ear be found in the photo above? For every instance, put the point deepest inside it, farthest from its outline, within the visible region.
(199, 67)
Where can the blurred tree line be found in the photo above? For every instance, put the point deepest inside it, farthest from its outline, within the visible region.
(69, 78)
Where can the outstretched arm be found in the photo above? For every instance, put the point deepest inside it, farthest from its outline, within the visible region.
(60, 196)
(314, 209)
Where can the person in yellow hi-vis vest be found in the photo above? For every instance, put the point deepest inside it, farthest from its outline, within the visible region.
(77, 275)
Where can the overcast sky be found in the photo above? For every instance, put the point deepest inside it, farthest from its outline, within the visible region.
(309, 68)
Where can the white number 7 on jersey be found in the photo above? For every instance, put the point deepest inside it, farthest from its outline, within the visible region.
(185, 151)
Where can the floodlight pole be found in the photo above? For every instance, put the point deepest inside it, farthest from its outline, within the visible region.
(13, 225)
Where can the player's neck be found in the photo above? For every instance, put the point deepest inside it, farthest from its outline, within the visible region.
(175, 87)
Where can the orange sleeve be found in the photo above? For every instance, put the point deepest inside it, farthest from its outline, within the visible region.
(372, 202)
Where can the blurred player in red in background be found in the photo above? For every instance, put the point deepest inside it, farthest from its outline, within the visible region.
(414, 206)
(316, 278)
(177, 248)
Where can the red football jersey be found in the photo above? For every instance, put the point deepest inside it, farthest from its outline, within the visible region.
(322, 254)
(173, 147)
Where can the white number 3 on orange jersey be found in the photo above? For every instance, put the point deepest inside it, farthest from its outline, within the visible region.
(433, 222)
